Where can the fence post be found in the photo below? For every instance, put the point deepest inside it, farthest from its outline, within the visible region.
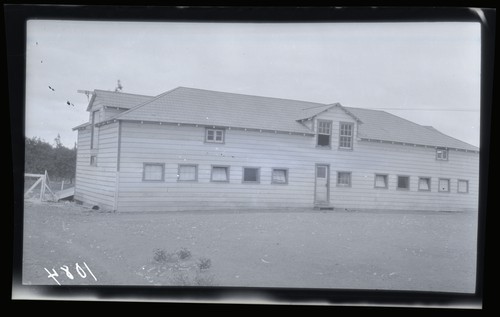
(42, 190)
(62, 185)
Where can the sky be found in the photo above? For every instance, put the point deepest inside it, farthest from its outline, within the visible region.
(428, 73)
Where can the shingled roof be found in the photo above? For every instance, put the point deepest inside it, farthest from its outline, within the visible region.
(212, 108)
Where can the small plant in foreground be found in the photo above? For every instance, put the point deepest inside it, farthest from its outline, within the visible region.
(204, 263)
(160, 256)
(184, 254)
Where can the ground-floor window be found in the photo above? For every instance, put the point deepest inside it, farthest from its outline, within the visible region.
(344, 179)
(463, 186)
(279, 176)
(187, 172)
(220, 173)
(403, 182)
(251, 174)
(381, 180)
(444, 185)
(424, 183)
(153, 172)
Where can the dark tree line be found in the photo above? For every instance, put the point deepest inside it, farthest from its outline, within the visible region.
(58, 160)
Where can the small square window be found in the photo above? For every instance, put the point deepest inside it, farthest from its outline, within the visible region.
(463, 186)
(93, 160)
(153, 172)
(442, 154)
(381, 181)
(403, 182)
(220, 174)
(343, 179)
(280, 176)
(424, 183)
(188, 173)
(251, 175)
(444, 185)
(214, 135)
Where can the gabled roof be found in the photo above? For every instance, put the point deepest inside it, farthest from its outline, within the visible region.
(117, 99)
(212, 108)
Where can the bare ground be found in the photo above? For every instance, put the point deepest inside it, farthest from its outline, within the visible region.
(428, 251)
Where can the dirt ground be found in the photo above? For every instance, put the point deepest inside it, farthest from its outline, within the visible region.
(428, 251)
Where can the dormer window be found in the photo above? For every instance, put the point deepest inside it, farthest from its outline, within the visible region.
(324, 133)
(346, 135)
(442, 154)
(214, 135)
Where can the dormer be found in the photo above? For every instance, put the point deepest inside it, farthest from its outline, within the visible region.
(335, 127)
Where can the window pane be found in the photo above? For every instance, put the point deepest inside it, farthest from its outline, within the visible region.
(219, 174)
(463, 186)
(403, 182)
(380, 181)
(444, 185)
(279, 176)
(345, 141)
(218, 135)
(210, 135)
(323, 140)
(153, 172)
(424, 184)
(344, 178)
(321, 172)
(250, 174)
(324, 127)
(187, 173)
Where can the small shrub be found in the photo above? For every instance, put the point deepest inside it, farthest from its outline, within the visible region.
(184, 254)
(160, 256)
(204, 263)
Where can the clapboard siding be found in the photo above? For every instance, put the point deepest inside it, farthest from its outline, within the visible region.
(96, 184)
(172, 145)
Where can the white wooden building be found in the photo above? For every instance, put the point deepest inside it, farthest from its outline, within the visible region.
(194, 149)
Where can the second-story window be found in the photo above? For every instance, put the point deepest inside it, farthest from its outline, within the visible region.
(214, 135)
(324, 133)
(442, 154)
(346, 135)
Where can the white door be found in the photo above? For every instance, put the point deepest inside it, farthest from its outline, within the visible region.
(322, 184)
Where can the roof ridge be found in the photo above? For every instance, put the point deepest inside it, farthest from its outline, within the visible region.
(116, 92)
(255, 96)
(143, 104)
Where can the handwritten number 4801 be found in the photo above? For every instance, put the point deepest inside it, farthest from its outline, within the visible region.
(65, 269)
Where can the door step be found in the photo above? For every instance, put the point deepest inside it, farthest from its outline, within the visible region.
(323, 207)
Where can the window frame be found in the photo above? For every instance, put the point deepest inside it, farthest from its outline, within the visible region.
(243, 175)
(439, 185)
(338, 178)
(187, 180)
(329, 146)
(153, 180)
(458, 186)
(351, 136)
(386, 176)
(430, 182)
(215, 135)
(228, 173)
(397, 182)
(94, 163)
(286, 176)
(445, 151)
